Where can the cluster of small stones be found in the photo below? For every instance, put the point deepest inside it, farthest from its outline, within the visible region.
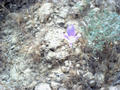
(39, 58)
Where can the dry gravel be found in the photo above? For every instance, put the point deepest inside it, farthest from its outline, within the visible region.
(35, 56)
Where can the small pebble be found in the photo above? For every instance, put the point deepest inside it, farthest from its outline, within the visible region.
(43, 86)
(92, 83)
(62, 88)
(65, 69)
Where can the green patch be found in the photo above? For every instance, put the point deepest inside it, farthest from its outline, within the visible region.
(102, 27)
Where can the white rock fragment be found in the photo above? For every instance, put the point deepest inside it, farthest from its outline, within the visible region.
(14, 39)
(45, 11)
(55, 84)
(78, 51)
(14, 74)
(43, 86)
(99, 77)
(114, 87)
(63, 12)
(61, 54)
(62, 88)
(57, 55)
(59, 20)
(68, 63)
(96, 9)
(88, 75)
(65, 69)
(54, 37)
(50, 55)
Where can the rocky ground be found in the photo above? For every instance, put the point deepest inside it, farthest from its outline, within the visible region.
(34, 54)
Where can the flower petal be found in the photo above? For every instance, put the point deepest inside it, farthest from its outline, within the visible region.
(70, 44)
(77, 36)
(71, 30)
(66, 37)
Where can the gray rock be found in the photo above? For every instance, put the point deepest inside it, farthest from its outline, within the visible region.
(99, 77)
(45, 11)
(111, 4)
(55, 85)
(59, 21)
(99, 2)
(65, 69)
(117, 80)
(62, 88)
(77, 87)
(63, 12)
(92, 83)
(114, 87)
(88, 75)
(43, 86)
(2, 87)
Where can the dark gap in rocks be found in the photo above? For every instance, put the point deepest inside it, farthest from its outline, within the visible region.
(117, 79)
(118, 48)
(52, 49)
(42, 54)
(93, 64)
(100, 56)
(61, 24)
(87, 50)
(7, 6)
(77, 16)
(118, 10)
(14, 5)
(117, 6)
(71, 4)
(2, 35)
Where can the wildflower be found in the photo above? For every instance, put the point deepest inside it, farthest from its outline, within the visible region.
(71, 36)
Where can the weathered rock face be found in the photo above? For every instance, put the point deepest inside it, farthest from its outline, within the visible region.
(36, 54)
(114, 87)
(14, 5)
(53, 39)
(111, 4)
(118, 6)
(45, 11)
(43, 86)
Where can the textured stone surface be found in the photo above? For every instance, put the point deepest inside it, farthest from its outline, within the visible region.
(43, 86)
(35, 55)
(45, 11)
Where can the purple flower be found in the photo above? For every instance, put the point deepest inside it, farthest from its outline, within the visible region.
(71, 36)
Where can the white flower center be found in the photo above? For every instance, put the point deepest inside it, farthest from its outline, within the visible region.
(72, 39)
